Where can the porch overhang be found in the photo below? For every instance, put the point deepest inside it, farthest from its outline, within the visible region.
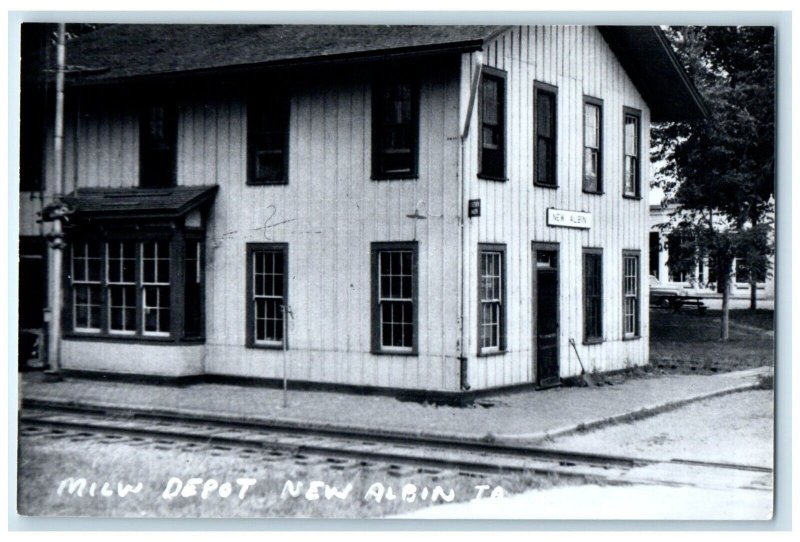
(137, 204)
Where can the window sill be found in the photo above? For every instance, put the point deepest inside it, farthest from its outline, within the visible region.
(632, 338)
(410, 353)
(631, 196)
(594, 192)
(492, 353)
(131, 339)
(487, 177)
(589, 342)
(251, 182)
(404, 177)
(265, 346)
(543, 185)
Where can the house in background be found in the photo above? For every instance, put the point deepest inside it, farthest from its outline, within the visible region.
(439, 209)
(704, 276)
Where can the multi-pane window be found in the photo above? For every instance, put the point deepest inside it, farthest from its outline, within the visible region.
(268, 294)
(630, 284)
(492, 124)
(158, 129)
(395, 129)
(87, 286)
(491, 287)
(592, 295)
(155, 287)
(394, 304)
(545, 145)
(632, 145)
(121, 278)
(268, 138)
(126, 288)
(592, 141)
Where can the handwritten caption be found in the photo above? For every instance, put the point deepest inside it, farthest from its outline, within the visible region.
(310, 490)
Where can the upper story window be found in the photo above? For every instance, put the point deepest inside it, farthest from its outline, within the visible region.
(268, 138)
(394, 304)
(492, 120)
(592, 145)
(632, 141)
(158, 130)
(545, 122)
(395, 128)
(32, 140)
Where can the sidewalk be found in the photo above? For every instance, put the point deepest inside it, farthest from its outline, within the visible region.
(527, 416)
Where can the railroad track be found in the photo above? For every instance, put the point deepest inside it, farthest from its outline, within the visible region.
(470, 456)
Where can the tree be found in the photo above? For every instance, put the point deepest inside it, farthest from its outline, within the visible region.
(720, 170)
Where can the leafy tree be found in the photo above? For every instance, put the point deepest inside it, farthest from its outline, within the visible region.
(720, 170)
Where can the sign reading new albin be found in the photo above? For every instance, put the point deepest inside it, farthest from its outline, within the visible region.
(569, 219)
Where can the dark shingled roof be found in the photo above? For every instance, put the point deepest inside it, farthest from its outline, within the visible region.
(121, 52)
(128, 50)
(132, 203)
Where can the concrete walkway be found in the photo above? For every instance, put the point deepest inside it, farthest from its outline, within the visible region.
(528, 416)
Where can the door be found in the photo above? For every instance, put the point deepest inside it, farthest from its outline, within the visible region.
(546, 315)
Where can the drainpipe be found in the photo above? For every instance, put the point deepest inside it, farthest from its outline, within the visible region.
(56, 236)
(473, 92)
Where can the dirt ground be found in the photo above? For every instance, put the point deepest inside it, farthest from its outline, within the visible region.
(734, 428)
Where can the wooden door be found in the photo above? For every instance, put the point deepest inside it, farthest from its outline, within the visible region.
(546, 315)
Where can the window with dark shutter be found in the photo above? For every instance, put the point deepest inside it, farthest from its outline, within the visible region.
(592, 295)
(395, 129)
(268, 138)
(492, 138)
(158, 130)
(545, 145)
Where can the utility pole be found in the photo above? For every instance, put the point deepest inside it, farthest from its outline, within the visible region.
(56, 237)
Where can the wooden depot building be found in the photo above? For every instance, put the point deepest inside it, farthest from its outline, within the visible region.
(441, 209)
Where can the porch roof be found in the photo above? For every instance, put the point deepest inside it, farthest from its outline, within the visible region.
(138, 203)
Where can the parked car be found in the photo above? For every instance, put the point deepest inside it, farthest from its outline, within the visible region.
(665, 295)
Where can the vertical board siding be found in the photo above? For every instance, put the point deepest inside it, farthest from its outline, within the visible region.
(329, 213)
(578, 62)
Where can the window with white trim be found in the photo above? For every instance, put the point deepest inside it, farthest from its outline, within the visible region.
(630, 294)
(491, 289)
(268, 287)
(394, 287)
(121, 278)
(126, 288)
(87, 286)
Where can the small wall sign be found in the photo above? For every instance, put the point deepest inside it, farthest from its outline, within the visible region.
(474, 208)
(569, 219)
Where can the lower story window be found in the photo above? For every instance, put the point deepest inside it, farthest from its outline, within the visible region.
(125, 287)
(394, 268)
(491, 289)
(592, 295)
(267, 293)
(630, 283)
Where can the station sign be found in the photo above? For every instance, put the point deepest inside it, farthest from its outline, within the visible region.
(568, 219)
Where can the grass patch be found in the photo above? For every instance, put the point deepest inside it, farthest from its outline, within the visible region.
(688, 343)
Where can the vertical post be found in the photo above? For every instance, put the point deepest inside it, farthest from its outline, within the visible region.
(54, 335)
(284, 315)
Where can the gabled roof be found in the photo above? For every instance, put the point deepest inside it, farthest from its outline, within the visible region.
(134, 203)
(654, 68)
(126, 50)
(121, 52)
